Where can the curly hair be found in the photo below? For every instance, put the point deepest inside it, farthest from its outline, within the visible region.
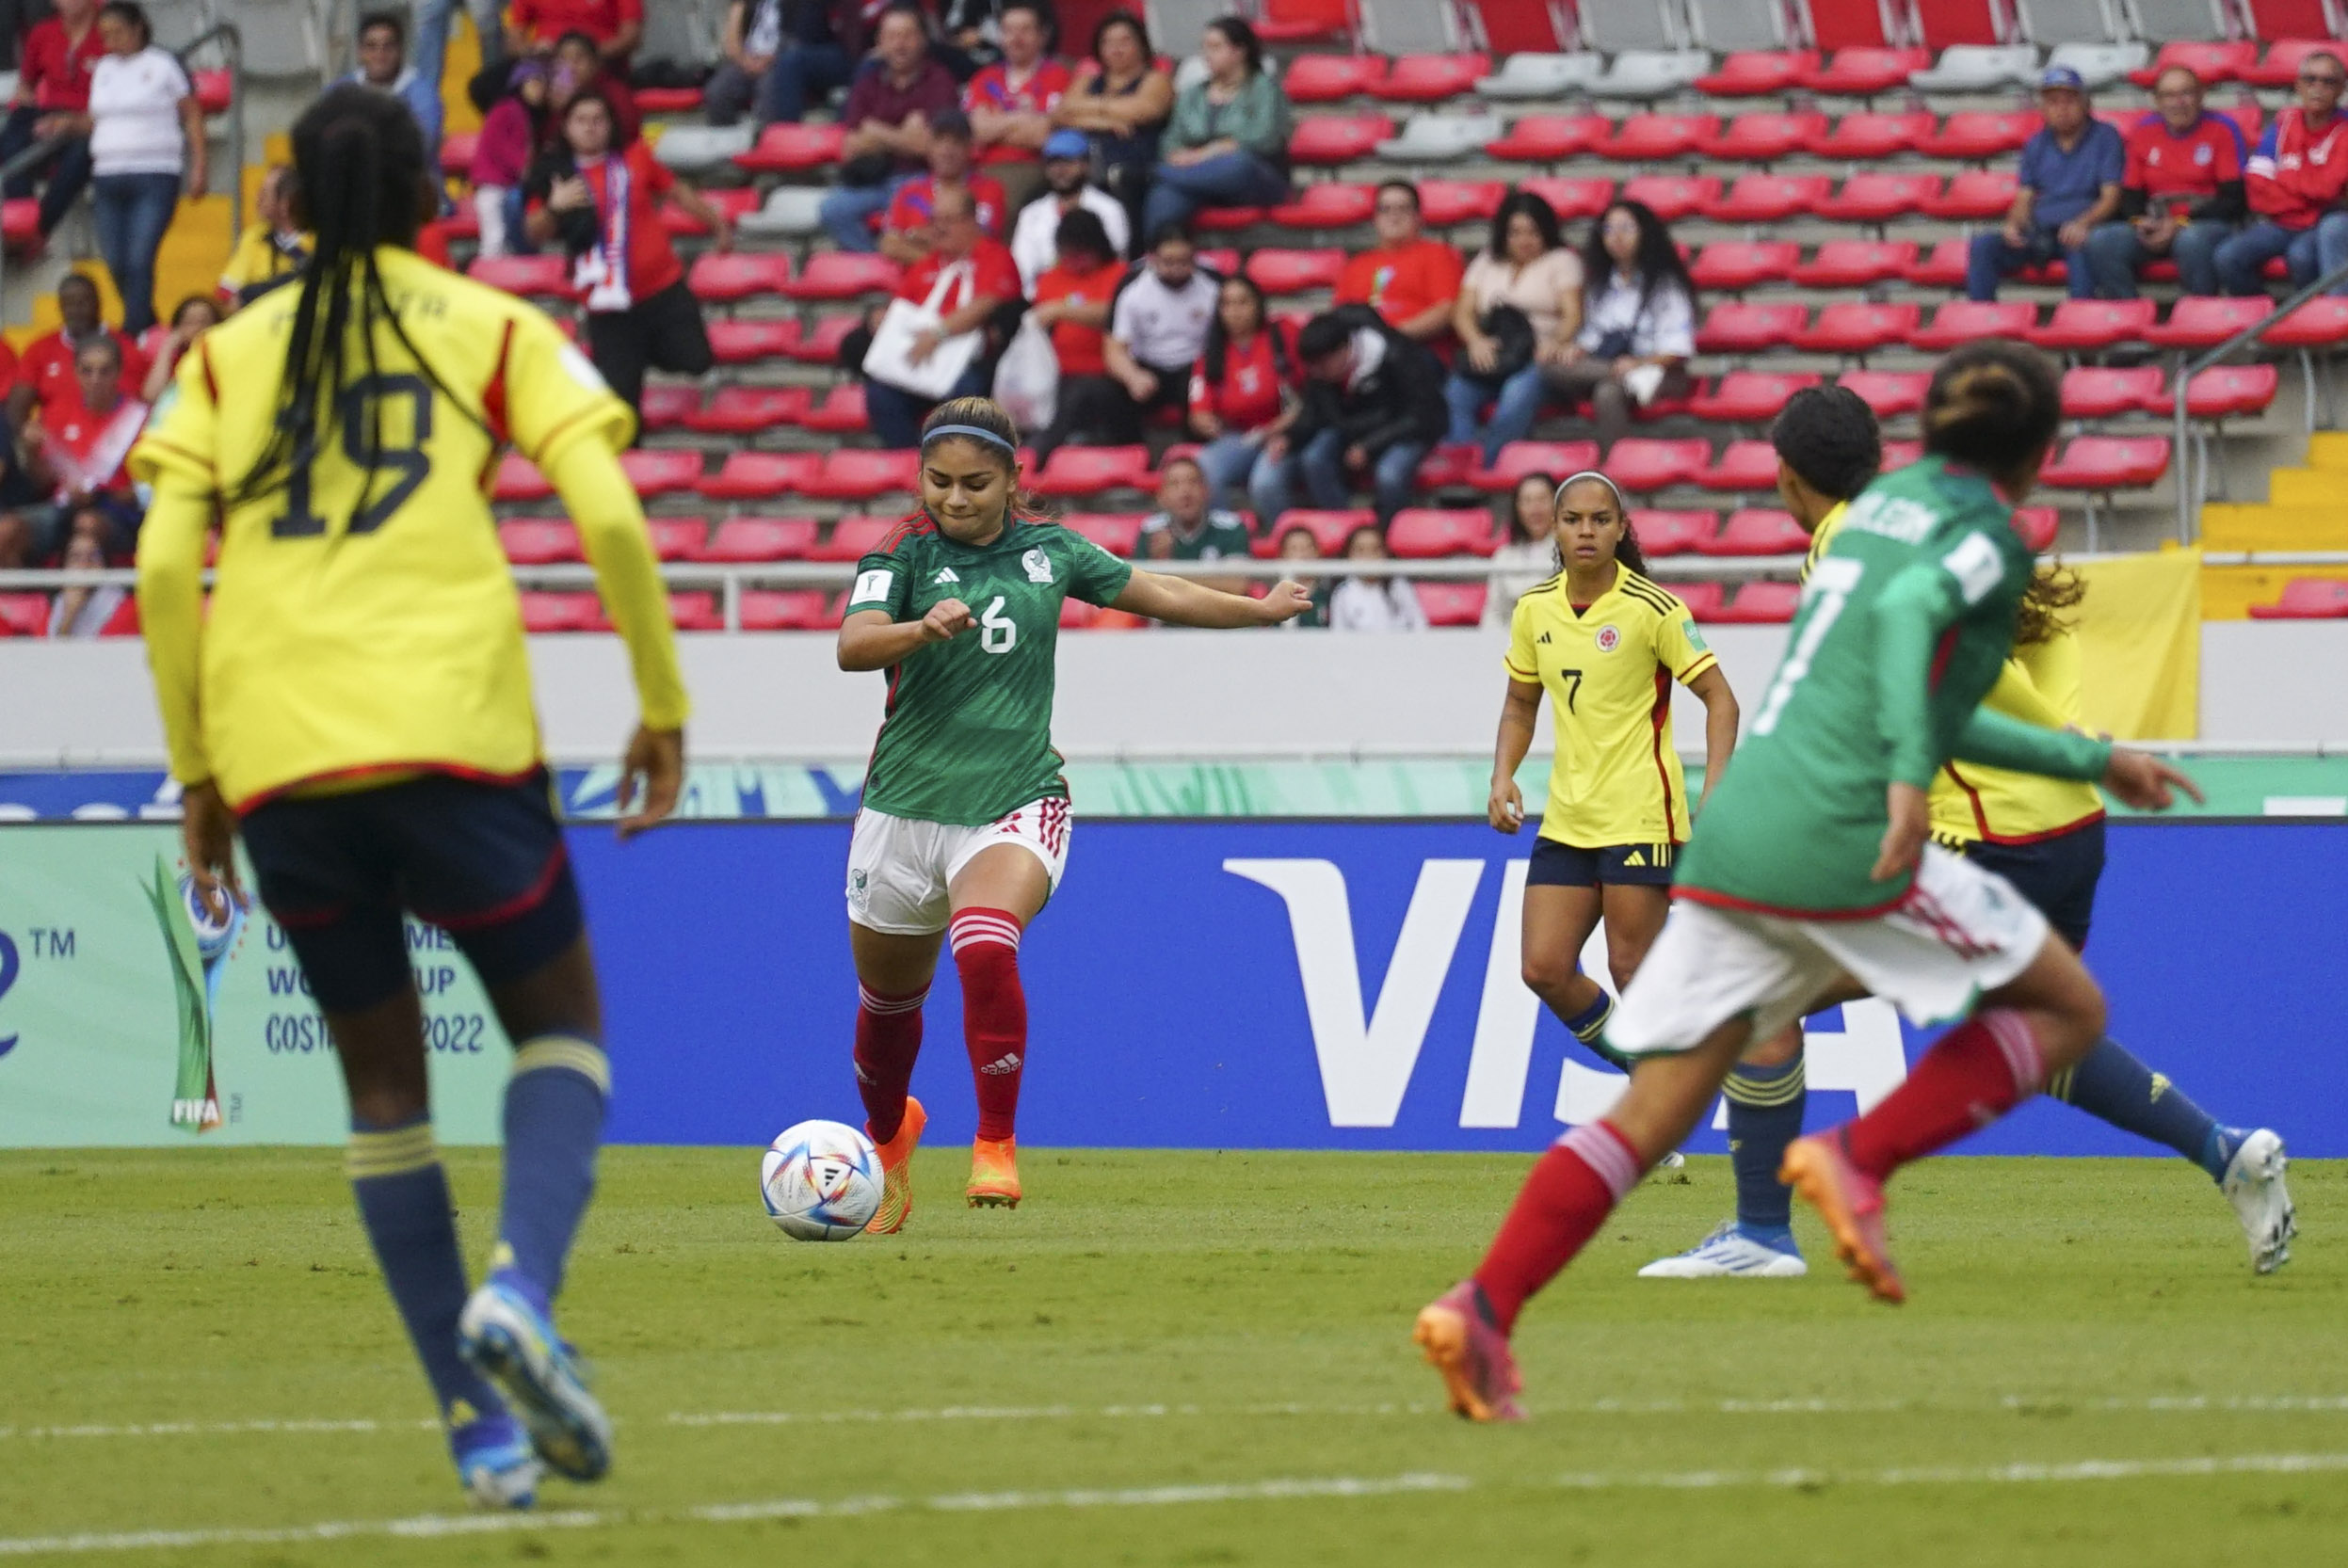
(2055, 589)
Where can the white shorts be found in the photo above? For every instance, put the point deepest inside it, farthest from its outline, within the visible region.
(899, 869)
(1960, 932)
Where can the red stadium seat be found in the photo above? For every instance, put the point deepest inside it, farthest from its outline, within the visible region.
(23, 614)
(666, 405)
(853, 538)
(1866, 137)
(820, 343)
(2037, 526)
(1703, 600)
(1853, 326)
(1445, 202)
(1453, 603)
(1276, 271)
(532, 277)
(2197, 323)
(745, 343)
(1077, 615)
(761, 475)
(1747, 465)
(1227, 220)
(2093, 392)
(1303, 21)
(1449, 465)
(2108, 463)
(677, 538)
(1080, 471)
(1943, 267)
(1223, 263)
(723, 279)
(1769, 198)
(539, 542)
(2214, 61)
(860, 473)
(20, 223)
(1890, 394)
(749, 410)
(1856, 263)
(1549, 138)
(1960, 320)
(2279, 66)
(1572, 198)
(1977, 195)
(793, 149)
(1330, 78)
(1116, 532)
(1674, 196)
(840, 413)
(2307, 599)
(1973, 137)
(215, 91)
(1748, 397)
(1326, 140)
(1419, 533)
(661, 473)
(1431, 79)
(1643, 463)
(1758, 73)
(457, 150)
(667, 101)
(753, 541)
(1519, 458)
(519, 479)
(2224, 392)
(2080, 324)
(1645, 139)
(2321, 323)
(789, 610)
(1758, 532)
(1329, 530)
(1866, 71)
(1732, 267)
(737, 202)
(1327, 205)
(845, 275)
(1878, 198)
(1762, 604)
(1672, 533)
(1737, 326)
(544, 613)
(1763, 138)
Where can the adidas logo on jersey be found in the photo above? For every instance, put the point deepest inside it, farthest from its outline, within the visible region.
(945, 574)
(1544, 637)
(1006, 1063)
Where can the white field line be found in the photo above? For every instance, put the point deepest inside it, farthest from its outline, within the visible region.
(428, 1527)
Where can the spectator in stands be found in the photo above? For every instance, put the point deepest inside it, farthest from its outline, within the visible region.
(1121, 100)
(75, 453)
(503, 155)
(614, 26)
(1226, 145)
(576, 66)
(1186, 527)
(1158, 328)
(2297, 182)
(20, 500)
(1243, 398)
(1638, 321)
(1011, 101)
(2071, 182)
(90, 610)
(967, 37)
(53, 99)
(145, 131)
(990, 285)
(1373, 404)
(1071, 301)
(1412, 280)
(602, 206)
(895, 95)
(273, 247)
(45, 374)
(780, 55)
(2182, 194)
(905, 233)
(1374, 603)
(1517, 313)
(1529, 558)
(1297, 544)
(383, 65)
(1068, 188)
(197, 314)
(433, 19)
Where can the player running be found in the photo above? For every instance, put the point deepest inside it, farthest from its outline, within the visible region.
(1810, 863)
(2043, 835)
(965, 822)
(357, 704)
(1606, 642)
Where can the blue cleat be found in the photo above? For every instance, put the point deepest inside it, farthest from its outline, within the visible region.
(513, 1343)
(495, 1462)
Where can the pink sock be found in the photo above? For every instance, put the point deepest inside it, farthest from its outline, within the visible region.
(1568, 1194)
(1977, 1072)
(995, 1012)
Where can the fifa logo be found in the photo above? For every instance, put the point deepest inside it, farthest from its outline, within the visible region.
(198, 945)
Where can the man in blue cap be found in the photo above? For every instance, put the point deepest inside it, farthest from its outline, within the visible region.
(2071, 174)
(1068, 185)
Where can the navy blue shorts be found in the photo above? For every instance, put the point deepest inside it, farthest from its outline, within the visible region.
(2057, 874)
(1557, 865)
(484, 862)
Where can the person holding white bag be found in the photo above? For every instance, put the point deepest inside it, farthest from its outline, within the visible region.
(932, 344)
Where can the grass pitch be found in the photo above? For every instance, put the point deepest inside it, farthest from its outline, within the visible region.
(1183, 1358)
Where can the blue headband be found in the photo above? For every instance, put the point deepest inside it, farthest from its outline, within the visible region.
(973, 431)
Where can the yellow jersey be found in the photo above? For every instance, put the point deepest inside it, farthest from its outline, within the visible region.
(1608, 668)
(258, 258)
(352, 636)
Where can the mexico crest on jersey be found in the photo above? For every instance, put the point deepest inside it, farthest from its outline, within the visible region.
(1609, 639)
(1039, 565)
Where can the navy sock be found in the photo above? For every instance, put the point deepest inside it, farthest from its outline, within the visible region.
(1765, 1106)
(1589, 1026)
(403, 1201)
(553, 1123)
(2112, 1085)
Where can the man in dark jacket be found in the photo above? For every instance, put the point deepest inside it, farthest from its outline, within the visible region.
(1373, 402)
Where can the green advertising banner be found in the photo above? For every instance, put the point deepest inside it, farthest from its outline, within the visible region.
(128, 1016)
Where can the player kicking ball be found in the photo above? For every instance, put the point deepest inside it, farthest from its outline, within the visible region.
(963, 833)
(1810, 869)
(2043, 835)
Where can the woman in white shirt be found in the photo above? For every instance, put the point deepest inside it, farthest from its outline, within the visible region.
(1530, 556)
(1638, 321)
(1374, 603)
(145, 128)
(1525, 268)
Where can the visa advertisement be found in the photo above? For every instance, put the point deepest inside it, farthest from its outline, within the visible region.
(1199, 985)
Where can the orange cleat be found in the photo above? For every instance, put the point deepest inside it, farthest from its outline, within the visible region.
(1851, 1203)
(1479, 1372)
(896, 1171)
(994, 1174)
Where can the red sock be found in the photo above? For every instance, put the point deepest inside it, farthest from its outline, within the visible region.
(1571, 1190)
(995, 1012)
(1980, 1070)
(887, 1038)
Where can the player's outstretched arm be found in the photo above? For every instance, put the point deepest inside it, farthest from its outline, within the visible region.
(1996, 740)
(2142, 780)
(1179, 601)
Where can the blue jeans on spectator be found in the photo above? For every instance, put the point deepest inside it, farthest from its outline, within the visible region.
(1393, 472)
(1992, 259)
(428, 53)
(2310, 253)
(1233, 463)
(779, 94)
(895, 415)
(1227, 180)
(68, 171)
(2115, 253)
(847, 212)
(133, 211)
(1513, 410)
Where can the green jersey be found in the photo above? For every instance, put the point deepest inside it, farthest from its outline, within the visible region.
(1905, 621)
(1221, 536)
(967, 738)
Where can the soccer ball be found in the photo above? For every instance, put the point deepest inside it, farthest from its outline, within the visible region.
(820, 1181)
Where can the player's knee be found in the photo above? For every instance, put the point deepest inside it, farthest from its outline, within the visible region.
(1546, 974)
(1776, 1051)
(1622, 964)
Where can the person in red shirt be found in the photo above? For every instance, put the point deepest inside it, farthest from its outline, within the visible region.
(44, 376)
(2182, 193)
(1412, 280)
(53, 80)
(76, 452)
(532, 26)
(986, 281)
(2297, 182)
(905, 233)
(605, 212)
(1243, 398)
(1072, 299)
(1011, 101)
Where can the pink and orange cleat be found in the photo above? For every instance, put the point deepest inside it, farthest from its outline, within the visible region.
(896, 1171)
(1851, 1203)
(1468, 1349)
(994, 1174)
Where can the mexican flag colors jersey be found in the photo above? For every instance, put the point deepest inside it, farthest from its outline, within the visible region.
(1904, 624)
(968, 735)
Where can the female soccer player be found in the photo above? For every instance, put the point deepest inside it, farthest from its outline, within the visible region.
(1606, 642)
(356, 703)
(2043, 835)
(1811, 862)
(965, 821)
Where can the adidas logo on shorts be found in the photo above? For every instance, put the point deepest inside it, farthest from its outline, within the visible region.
(1007, 1063)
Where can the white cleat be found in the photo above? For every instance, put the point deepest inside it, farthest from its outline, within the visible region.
(2254, 1185)
(1671, 1170)
(1728, 1253)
